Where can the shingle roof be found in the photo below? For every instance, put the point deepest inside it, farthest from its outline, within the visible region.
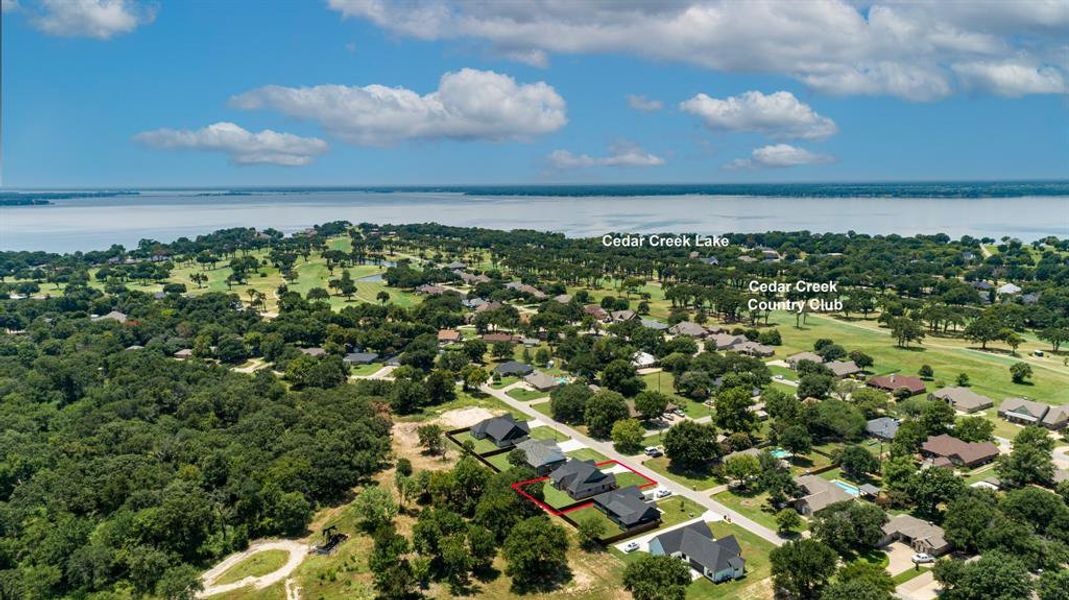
(794, 359)
(628, 506)
(513, 367)
(361, 358)
(896, 381)
(963, 398)
(843, 368)
(501, 428)
(915, 529)
(885, 427)
(967, 452)
(1023, 409)
(576, 475)
(541, 380)
(541, 453)
(697, 542)
(687, 328)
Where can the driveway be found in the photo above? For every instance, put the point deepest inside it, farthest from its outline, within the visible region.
(297, 552)
(606, 448)
(922, 587)
(898, 555)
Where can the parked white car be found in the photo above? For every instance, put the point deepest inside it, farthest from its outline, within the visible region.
(921, 558)
(631, 547)
(663, 493)
(653, 451)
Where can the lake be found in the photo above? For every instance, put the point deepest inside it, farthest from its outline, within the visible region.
(96, 223)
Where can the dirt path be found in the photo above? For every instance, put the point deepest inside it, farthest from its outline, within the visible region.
(297, 551)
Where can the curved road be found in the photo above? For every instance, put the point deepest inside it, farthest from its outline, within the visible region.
(608, 450)
(297, 552)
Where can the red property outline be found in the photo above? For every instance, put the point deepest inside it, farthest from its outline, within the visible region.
(518, 486)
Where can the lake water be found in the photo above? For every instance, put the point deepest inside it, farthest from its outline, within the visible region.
(96, 223)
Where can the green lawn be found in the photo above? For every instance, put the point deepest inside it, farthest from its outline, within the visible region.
(464, 400)
(755, 584)
(591, 512)
(546, 432)
(544, 408)
(365, 370)
(525, 395)
(587, 454)
(988, 371)
(504, 382)
(481, 446)
(676, 509)
(554, 497)
(257, 565)
(698, 481)
(908, 574)
(754, 506)
(628, 479)
(501, 461)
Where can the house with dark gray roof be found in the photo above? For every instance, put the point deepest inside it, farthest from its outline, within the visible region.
(883, 428)
(717, 560)
(582, 479)
(360, 358)
(542, 455)
(514, 369)
(627, 507)
(503, 431)
(962, 399)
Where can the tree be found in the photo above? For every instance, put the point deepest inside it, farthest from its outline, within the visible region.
(795, 439)
(317, 293)
(1056, 336)
(536, 552)
(860, 580)
(1020, 372)
(602, 411)
(926, 372)
(627, 436)
(974, 429)
(1053, 585)
(383, 296)
(374, 507)
(801, 568)
(733, 410)
(392, 573)
(620, 376)
(651, 404)
(984, 329)
(931, 487)
(849, 526)
(967, 519)
(475, 348)
(179, 583)
(690, 445)
(568, 402)
(856, 462)
(996, 576)
(741, 468)
(473, 376)
(788, 520)
(430, 437)
(963, 380)
(657, 578)
(590, 530)
(1029, 461)
(906, 330)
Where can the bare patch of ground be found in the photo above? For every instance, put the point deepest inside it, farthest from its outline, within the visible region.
(464, 417)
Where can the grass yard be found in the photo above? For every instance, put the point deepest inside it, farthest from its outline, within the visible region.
(754, 506)
(628, 479)
(481, 446)
(256, 565)
(586, 454)
(591, 512)
(554, 497)
(366, 370)
(504, 382)
(697, 481)
(525, 395)
(544, 408)
(546, 432)
(948, 356)
(462, 401)
(501, 461)
(676, 509)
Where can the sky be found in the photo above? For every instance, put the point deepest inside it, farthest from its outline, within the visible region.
(123, 93)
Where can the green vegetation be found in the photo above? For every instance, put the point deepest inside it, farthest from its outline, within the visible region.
(261, 563)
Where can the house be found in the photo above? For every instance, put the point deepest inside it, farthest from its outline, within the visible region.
(1008, 289)
(542, 455)
(581, 479)
(493, 338)
(883, 428)
(711, 260)
(840, 368)
(449, 336)
(1024, 412)
(643, 360)
(513, 368)
(746, 258)
(183, 354)
(523, 288)
(503, 431)
(360, 358)
(316, 352)
(920, 535)
(723, 341)
(542, 381)
(473, 303)
(717, 560)
(894, 382)
(470, 279)
(957, 452)
(596, 311)
(654, 325)
(818, 494)
(619, 316)
(982, 285)
(1030, 298)
(962, 399)
(794, 359)
(687, 328)
(1057, 417)
(563, 298)
(430, 290)
(112, 316)
(627, 507)
(753, 349)
(455, 265)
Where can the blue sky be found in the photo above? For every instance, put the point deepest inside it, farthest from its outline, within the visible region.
(120, 93)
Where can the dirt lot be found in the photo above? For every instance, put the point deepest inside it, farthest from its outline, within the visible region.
(463, 417)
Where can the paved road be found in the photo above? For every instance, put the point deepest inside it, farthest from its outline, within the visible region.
(608, 450)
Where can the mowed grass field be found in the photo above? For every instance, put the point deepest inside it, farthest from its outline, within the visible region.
(988, 371)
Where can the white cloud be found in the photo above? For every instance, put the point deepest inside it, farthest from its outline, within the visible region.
(883, 47)
(9, 5)
(623, 154)
(468, 104)
(778, 156)
(99, 19)
(242, 146)
(639, 102)
(1012, 79)
(778, 115)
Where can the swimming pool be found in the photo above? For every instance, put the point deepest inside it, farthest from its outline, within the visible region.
(853, 490)
(779, 453)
